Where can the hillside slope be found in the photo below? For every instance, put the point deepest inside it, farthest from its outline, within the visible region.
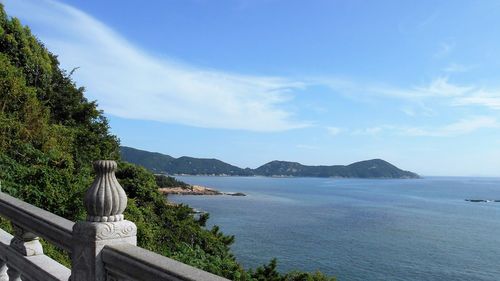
(160, 163)
(375, 168)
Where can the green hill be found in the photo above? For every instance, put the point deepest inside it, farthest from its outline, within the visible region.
(378, 168)
(375, 168)
(160, 163)
(294, 169)
(201, 166)
(155, 162)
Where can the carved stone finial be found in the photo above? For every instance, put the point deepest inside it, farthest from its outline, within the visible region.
(105, 200)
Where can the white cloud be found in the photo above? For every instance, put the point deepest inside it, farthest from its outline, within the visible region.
(439, 87)
(370, 131)
(421, 100)
(461, 127)
(130, 83)
(490, 99)
(455, 68)
(333, 130)
(408, 111)
(418, 108)
(457, 95)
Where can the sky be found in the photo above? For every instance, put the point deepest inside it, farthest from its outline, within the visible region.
(415, 83)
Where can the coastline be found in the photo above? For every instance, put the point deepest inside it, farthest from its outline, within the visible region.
(288, 176)
(195, 190)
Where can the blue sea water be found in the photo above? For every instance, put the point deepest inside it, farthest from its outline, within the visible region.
(361, 229)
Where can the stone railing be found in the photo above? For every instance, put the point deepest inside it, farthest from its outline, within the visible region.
(101, 248)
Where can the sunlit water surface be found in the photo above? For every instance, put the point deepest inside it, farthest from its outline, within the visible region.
(361, 229)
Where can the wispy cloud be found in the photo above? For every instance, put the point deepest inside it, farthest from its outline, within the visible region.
(370, 131)
(437, 88)
(461, 127)
(456, 68)
(428, 20)
(489, 99)
(408, 111)
(333, 131)
(444, 49)
(440, 90)
(130, 83)
(418, 108)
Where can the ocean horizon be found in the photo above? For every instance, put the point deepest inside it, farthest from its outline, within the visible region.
(360, 229)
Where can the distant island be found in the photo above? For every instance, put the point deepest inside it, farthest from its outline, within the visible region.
(166, 164)
(482, 200)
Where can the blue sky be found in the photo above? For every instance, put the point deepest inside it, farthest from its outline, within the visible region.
(317, 82)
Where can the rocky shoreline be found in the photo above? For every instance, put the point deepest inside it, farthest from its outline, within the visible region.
(196, 190)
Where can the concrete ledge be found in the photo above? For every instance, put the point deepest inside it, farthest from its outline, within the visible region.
(53, 228)
(129, 262)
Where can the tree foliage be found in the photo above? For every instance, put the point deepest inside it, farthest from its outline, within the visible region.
(168, 181)
(49, 136)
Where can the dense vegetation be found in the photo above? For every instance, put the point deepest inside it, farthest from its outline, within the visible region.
(168, 181)
(375, 168)
(161, 163)
(49, 136)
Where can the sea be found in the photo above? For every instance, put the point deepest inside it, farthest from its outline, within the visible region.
(360, 229)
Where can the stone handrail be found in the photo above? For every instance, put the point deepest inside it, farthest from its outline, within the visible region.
(54, 228)
(103, 247)
(132, 263)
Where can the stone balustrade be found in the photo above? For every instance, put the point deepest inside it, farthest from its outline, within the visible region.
(103, 247)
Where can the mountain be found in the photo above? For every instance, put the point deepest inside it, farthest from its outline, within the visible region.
(201, 166)
(152, 161)
(375, 168)
(160, 163)
(294, 169)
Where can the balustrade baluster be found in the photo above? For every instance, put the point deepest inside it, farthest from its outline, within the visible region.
(27, 244)
(3, 271)
(14, 275)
